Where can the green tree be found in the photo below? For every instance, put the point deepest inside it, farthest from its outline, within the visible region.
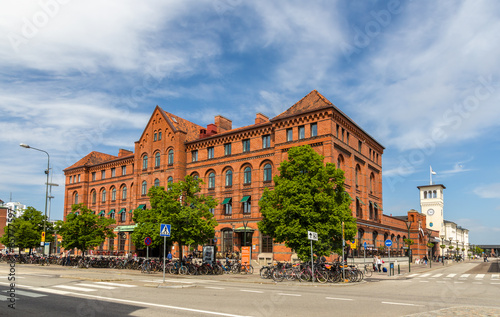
(183, 208)
(83, 229)
(25, 232)
(308, 196)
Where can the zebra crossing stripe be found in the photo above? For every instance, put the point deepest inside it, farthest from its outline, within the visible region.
(495, 276)
(115, 284)
(479, 276)
(97, 286)
(425, 275)
(437, 275)
(51, 291)
(29, 294)
(412, 275)
(464, 275)
(450, 275)
(75, 288)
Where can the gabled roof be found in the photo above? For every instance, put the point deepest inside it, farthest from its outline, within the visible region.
(312, 101)
(192, 130)
(92, 158)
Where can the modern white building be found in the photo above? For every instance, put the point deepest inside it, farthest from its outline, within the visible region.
(16, 206)
(451, 234)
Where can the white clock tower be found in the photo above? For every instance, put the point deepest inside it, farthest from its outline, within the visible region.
(431, 204)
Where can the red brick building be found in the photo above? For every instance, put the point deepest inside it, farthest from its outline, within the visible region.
(236, 165)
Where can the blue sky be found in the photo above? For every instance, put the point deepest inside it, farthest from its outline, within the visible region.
(420, 76)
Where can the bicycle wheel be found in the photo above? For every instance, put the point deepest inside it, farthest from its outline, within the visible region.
(249, 269)
(278, 275)
(320, 276)
(368, 272)
(264, 272)
(183, 270)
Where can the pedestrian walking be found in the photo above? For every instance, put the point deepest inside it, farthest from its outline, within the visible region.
(379, 263)
(375, 268)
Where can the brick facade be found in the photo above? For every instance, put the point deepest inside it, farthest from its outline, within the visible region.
(235, 166)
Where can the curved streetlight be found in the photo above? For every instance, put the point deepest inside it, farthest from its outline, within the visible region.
(47, 171)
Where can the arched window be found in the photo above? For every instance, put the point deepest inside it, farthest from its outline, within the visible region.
(144, 188)
(113, 194)
(170, 157)
(425, 195)
(357, 174)
(103, 194)
(434, 194)
(229, 178)
(75, 201)
(370, 208)
(94, 196)
(372, 183)
(124, 192)
(157, 159)
(145, 162)
(170, 179)
(211, 180)
(247, 175)
(359, 211)
(157, 182)
(340, 162)
(268, 173)
(375, 234)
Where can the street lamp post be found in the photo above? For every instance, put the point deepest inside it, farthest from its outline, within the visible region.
(442, 249)
(429, 232)
(408, 225)
(46, 187)
(451, 244)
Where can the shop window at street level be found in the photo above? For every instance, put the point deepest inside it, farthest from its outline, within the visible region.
(267, 244)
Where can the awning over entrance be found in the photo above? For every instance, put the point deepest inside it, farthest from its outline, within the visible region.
(125, 228)
(242, 229)
(244, 199)
(226, 200)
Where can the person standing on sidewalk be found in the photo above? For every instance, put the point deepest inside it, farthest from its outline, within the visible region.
(379, 263)
(375, 263)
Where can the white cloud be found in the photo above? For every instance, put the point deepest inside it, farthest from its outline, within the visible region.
(488, 191)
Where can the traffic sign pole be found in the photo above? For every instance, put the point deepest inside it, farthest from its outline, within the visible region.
(164, 251)
(312, 262)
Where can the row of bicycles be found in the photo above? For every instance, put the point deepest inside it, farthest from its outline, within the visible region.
(196, 268)
(322, 272)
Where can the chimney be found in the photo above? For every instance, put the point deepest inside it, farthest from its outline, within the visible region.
(123, 152)
(223, 124)
(260, 118)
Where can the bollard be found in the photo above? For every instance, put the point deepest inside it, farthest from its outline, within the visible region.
(399, 270)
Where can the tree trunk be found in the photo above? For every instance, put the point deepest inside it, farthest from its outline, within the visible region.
(180, 252)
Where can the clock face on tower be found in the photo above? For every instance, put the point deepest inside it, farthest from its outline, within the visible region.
(430, 212)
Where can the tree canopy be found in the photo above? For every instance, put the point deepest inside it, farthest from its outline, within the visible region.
(183, 208)
(26, 231)
(308, 196)
(83, 229)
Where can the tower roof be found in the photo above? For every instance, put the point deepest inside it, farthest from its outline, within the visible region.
(433, 185)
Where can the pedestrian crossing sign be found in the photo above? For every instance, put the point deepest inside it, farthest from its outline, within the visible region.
(164, 230)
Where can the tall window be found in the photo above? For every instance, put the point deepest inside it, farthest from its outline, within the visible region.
(170, 157)
(267, 244)
(247, 206)
(227, 240)
(246, 145)
(159, 136)
(360, 145)
(247, 175)
(103, 174)
(340, 161)
(155, 137)
(113, 172)
(157, 182)
(170, 179)
(144, 188)
(76, 198)
(302, 132)
(123, 216)
(124, 192)
(210, 152)
(229, 178)
(266, 141)
(145, 162)
(228, 208)
(227, 149)
(113, 194)
(289, 135)
(314, 129)
(194, 156)
(78, 177)
(93, 176)
(94, 196)
(103, 196)
(112, 214)
(357, 174)
(211, 180)
(268, 173)
(124, 170)
(157, 159)
(372, 183)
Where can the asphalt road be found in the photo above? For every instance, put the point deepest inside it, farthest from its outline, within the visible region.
(471, 288)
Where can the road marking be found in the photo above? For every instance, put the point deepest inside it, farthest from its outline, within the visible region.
(12, 276)
(495, 276)
(213, 287)
(52, 291)
(425, 275)
(402, 304)
(110, 299)
(97, 286)
(451, 275)
(424, 281)
(74, 288)
(464, 275)
(412, 275)
(336, 298)
(116, 284)
(437, 275)
(479, 276)
(24, 293)
(284, 294)
(250, 291)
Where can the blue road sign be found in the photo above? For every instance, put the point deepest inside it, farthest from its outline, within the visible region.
(147, 241)
(164, 230)
(364, 245)
(388, 243)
